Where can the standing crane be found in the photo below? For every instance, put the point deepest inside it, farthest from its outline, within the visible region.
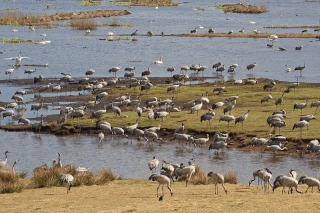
(242, 118)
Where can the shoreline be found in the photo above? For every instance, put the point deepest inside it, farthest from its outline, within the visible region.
(237, 140)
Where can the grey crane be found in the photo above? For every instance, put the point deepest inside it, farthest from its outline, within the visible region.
(90, 72)
(21, 92)
(216, 65)
(161, 179)
(310, 181)
(67, 178)
(77, 114)
(227, 118)
(134, 33)
(179, 129)
(300, 68)
(37, 106)
(146, 72)
(257, 173)
(300, 124)
(160, 115)
(170, 69)
(139, 110)
(294, 85)
(242, 118)
(218, 145)
(29, 72)
(207, 116)
(116, 110)
(8, 113)
(4, 162)
(299, 47)
(269, 85)
(129, 74)
(153, 164)
(38, 125)
(266, 98)
(115, 69)
(118, 131)
(274, 149)
(218, 89)
(279, 100)
(229, 107)
(300, 106)
(25, 121)
(152, 135)
(286, 181)
(221, 69)
(278, 124)
(307, 118)
(211, 30)
(251, 66)
(217, 178)
(193, 31)
(38, 79)
(196, 107)
(315, 104)
(146, 87)
(200, 141)
(217, 105)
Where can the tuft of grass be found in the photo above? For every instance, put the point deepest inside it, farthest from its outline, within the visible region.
(90, 2)
(83, 24)
(10, 182)
(104, 176)
(231, 177)
(199, 8)
(199, 176)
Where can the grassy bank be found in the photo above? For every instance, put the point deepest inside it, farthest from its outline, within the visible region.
(136, 195)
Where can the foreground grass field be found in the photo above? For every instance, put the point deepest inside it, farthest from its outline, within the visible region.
(135, 195)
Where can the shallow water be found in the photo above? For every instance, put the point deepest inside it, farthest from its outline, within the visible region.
(131, 160)
(71, 51)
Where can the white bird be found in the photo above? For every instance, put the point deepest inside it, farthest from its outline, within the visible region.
(111, 33)
(88, 31)
(18, 59)
(67, 178)
(160, 61)
(217, 178)
(288, 69)
(274, 149)
(100, 136)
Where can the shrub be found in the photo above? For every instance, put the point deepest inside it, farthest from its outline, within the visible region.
(104, 176)
(9, 181)
(231, 177)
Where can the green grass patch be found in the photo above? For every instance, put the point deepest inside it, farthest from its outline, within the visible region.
(15, 40)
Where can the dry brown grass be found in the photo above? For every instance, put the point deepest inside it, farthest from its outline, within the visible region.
(16, 18)
(136, 195)
(243, 8)
(231, 177)
(83, 24)
(151, 2)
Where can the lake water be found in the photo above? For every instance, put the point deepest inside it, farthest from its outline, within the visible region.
(71, 51)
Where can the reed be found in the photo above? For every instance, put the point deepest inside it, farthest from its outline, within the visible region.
(83, 24)
(231, 177)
